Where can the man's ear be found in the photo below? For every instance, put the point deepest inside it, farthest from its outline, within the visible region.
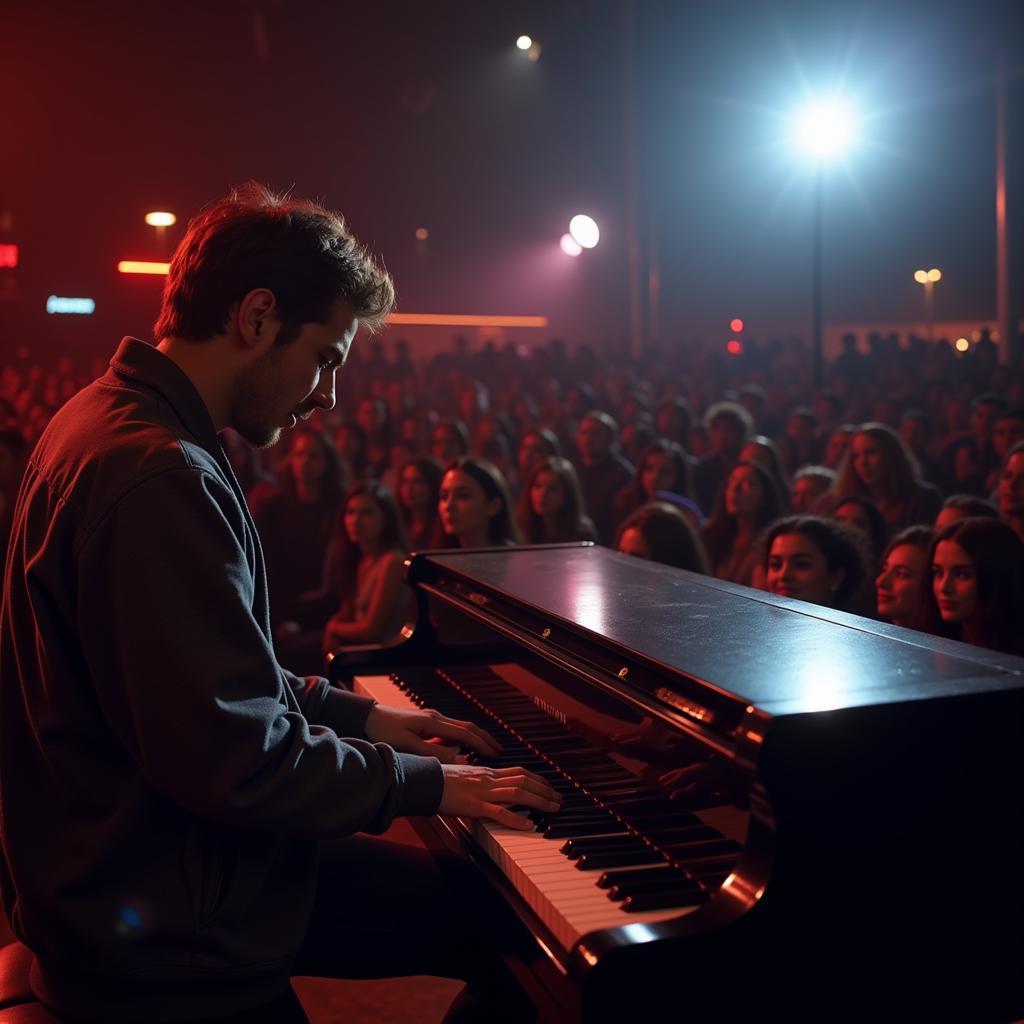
(256, 318)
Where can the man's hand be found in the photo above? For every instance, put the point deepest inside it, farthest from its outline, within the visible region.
(412, 731)
(471, 791)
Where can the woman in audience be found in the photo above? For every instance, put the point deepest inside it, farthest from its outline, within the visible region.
(762, 450)
(976, 589)
(816, 560)
(810, 483)
(449, 440)
(878, 466)
(551, 507)
(474, 506)
(898, 585)
(1011, 490)
(862, 514)
(367, 558)
(536, 446)
(748, 503)
(662, 467)
(296, 523)
(350, 439)
(963, 506)
(659, 532)
(419, 481)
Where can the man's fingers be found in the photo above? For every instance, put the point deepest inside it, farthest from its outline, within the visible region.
(466, 733)
(504, 816)
(521, 796)
(508, 774)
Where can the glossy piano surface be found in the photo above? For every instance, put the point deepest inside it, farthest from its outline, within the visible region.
(863, 782)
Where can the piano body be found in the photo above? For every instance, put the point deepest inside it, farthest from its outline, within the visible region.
(771, 809)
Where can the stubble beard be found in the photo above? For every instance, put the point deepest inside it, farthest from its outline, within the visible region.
(256, 392)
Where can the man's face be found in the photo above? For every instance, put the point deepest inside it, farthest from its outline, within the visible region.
(287, 383)
(593, 440)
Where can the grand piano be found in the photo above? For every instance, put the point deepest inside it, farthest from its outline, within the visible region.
(771, 809)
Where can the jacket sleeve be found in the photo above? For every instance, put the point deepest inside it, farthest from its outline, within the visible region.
(189, 683)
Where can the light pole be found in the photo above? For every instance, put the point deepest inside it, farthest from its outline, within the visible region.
(824, 130)
(928, 279)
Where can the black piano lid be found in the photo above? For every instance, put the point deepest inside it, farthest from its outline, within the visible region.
(782, 656)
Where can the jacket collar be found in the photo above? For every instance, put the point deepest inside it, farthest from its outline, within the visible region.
(145, 364)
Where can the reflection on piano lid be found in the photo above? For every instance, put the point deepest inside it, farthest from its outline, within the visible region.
(754, 788)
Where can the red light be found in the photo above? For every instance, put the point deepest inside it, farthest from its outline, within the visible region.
(8, 255)
(142, 267)
(736, 326)
(735, 347)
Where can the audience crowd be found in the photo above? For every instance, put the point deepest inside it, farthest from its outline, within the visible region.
(895, 490)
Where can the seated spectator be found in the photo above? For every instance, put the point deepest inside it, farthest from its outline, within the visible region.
(816, 560)
(673, 421)
(762, 450)
(963, 506)
(659, 532)
(372, 417)
(976, 589)
(898, 584)
(662, 467)
(602, 471)
(350, 439)
(878, 466)
(419, 482)
(1011, 490)
(635, 436)
(862, 514)
(729, 427)
(837, 445)
(551, 507)
(960, 467)
(449, 440)
(1007, 431)
(915, 430)
(749, 503)
(985, 409)
(296, 524)
(809, 484)
(475, 507)
(802, 431)
(536, 446)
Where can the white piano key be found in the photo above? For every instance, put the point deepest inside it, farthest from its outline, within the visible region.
(566, 899)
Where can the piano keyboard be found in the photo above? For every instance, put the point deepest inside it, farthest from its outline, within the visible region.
(618, 853)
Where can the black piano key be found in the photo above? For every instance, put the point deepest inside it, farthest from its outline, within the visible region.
(664, 871)
(558, 831)
(642, 887)
(596, 861)
(663, 900)
(695, 851)
(575, 848)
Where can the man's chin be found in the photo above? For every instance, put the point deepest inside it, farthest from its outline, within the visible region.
(260, 437)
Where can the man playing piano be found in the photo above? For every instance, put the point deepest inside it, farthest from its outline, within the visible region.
(177, 810)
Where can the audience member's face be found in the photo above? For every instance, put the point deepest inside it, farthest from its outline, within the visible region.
(806, 491)
(797, 568)
(368, 416)
(799, 429)
(363, 520)
(594, 440)
(725, 436)
(413, 490)
(744, 494)
(547, 493)
(1006, 433)
(667, 422)
(954, 582)
(444, 445)
(533, 450)
(965, 462)
(754, 452)
(853, 515)
(632, 542)
(349, 443)
(1011, 487)
(867, 459)
(897, 585)
(462, 505)
(838, 442)
(658, 474)
(306, 460)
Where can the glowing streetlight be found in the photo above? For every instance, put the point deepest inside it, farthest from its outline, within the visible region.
(822, 131)
(524, 42)
(584, 230)
(962, 344)
(928, 279)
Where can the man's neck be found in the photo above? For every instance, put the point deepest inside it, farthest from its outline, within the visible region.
(208, 378)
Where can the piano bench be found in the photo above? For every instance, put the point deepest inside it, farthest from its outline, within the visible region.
(17, 1003)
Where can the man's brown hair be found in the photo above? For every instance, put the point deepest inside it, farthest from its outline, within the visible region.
(295, 248)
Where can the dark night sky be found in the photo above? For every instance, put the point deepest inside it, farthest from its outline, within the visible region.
(424, 114)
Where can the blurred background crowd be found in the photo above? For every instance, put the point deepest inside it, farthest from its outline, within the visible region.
(895, 490)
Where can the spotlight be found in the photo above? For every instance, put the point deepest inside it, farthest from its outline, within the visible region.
(570, 246)
(524, 42)
(584, 230)
(826, 127)
(160, 219)
(962, 344)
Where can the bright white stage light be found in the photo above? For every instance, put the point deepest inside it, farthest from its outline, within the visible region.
(524, 42)
(584, 229)
(826, 127)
